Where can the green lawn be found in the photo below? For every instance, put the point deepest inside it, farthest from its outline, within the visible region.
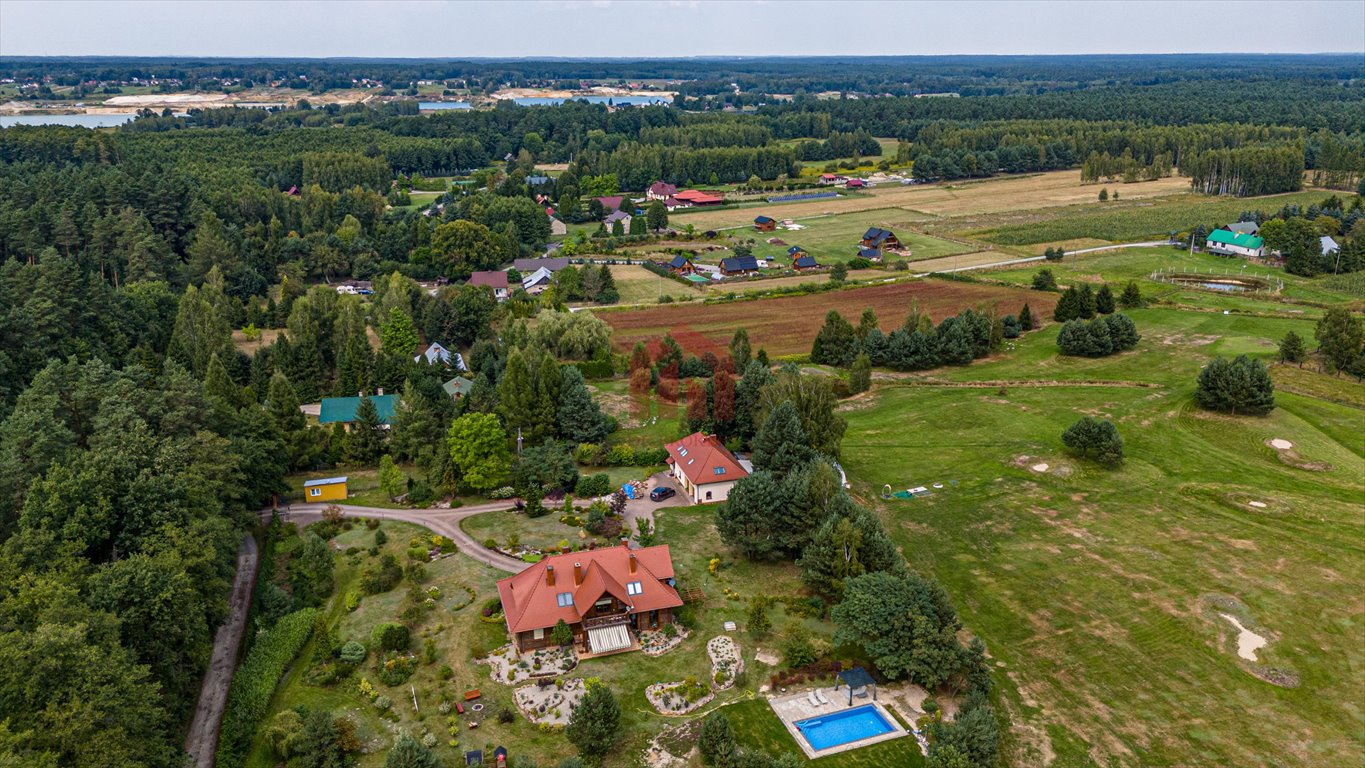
(1098, 592)
(756, 727)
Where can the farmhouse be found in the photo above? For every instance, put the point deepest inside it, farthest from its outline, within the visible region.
(796, 251)
(694, 197)
(1245, 228)
(871, 254)
(341, 410)
(738, 265)
(830, 179)
(537, 281)
(1225, 243)
(660, 190)
(681, 265)
(325, 489)
(526, 266)
(764, 223)
(621, 216)
(495, 280)
(804, 261)
(603, 595)
(704, 467)
(880, 240)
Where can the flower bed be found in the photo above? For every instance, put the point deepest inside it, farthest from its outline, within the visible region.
(550, 702)
(726, 661)
(659, 642)
(509, 667)
(679, 698)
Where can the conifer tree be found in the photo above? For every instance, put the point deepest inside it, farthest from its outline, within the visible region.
(1131, 298)
(594, 724)
(1104, 300)
(740, 352)
(580, 418)
(1026, 319)
(781, 443)
(1292, 348)
(365, 441)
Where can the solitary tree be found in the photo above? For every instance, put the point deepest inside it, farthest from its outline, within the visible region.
(1026, 319)
(740, 352)
(838, 273)
(478, 446)
(1339, 338)
(1043, 280)
(1131, 298)
(593, 723)
(716, 742)
(1097, 439)
(860, 376)
(392, 481)
(757, 619)
(1292, 349)
(1104, 195)
(408, 752)
(656, 215)
(1237, 385)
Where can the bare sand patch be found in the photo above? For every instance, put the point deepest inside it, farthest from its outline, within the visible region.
(1248, 642)
(1040, 467)
(1280, 444)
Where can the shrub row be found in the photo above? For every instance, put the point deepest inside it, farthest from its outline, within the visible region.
(255, 682)
(1101, 336)
(624, 455)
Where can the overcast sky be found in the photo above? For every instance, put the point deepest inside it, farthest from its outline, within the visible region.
(587, 28)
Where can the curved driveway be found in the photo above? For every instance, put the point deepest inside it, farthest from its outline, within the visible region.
(443, 521)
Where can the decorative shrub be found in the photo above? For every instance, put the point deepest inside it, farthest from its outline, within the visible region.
(391, 637)
(353, 653)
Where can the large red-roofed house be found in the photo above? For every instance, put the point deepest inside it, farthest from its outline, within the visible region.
(602, 594)
(704, 467)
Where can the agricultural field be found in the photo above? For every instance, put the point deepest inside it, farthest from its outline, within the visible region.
(1011, 193)
(788, 324)
(638, 285)
(1103, 596)
(1119, 221)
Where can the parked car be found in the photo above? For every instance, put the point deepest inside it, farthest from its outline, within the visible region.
(661, 493)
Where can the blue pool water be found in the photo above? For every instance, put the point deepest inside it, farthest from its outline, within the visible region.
(842, 727)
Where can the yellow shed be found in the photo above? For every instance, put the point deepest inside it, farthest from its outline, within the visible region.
(326, 489)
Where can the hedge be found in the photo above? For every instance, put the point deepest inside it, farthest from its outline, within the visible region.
(254, 683)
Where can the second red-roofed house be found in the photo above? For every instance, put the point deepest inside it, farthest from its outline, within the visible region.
(704, 467)
(604, 595)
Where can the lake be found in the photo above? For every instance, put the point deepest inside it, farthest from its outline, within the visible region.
(81, 121)
(436, 105)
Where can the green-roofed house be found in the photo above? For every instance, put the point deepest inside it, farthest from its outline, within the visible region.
(342, 409)
(458, 387)
(1225, 243)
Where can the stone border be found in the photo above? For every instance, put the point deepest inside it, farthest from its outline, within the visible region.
(717, 648)
(569, 696)
(654, 694)
(505, 663)
(668, 645)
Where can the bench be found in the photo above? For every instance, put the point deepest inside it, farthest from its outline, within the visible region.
(472, 695)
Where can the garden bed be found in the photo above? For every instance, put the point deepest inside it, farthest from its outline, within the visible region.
(550, 702)
(508, 667)
(658, 642)
(726, 661)
(679, 698)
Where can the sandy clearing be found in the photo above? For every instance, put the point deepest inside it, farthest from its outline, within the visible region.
(1039, 467)
(1248, 642)
(1280, 444)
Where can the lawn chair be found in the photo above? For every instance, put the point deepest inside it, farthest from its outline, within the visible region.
(821, 696)
(500, 754)
(811, 697)
(473, 757)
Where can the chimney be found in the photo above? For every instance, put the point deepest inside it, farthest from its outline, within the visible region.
(549, 575)
(577, 574)
(632, 562)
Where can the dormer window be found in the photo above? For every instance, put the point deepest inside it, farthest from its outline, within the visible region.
(634, 588)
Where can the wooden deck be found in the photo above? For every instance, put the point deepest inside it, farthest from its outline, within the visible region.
(692, 595)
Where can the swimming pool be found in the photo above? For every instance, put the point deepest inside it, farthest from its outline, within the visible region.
(843, 727)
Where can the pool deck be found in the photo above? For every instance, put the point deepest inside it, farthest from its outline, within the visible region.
(795, 707)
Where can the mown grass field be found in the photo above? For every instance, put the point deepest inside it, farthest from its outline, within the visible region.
(788, 325)
(833, 239)
(1098, 592)
(638, 285)
(1124, 220)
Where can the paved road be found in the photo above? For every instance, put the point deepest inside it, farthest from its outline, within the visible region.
(202, 741)
(443, 521)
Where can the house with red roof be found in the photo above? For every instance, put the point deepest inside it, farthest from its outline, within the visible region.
(704, 467)
(604, 595)
(494, 279)
(660, 190)
(697, 197)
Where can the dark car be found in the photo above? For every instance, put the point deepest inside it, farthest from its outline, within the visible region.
(661, 493)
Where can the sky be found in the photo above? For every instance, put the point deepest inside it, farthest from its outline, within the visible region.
(672, 28)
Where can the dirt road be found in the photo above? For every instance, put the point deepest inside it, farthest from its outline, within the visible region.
(202, 741)
(443, 521)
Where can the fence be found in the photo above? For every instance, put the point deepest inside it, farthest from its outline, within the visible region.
(811, 196)
(1226, 279)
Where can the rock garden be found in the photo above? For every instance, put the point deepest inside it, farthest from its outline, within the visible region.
(659, 642)
(680, 698)
(509, 667)
(550, 702)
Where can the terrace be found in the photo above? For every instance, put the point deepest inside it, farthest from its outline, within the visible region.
(801, 712)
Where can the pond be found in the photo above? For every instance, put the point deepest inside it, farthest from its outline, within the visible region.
(540, 101)
(80, 121)
(440, 105)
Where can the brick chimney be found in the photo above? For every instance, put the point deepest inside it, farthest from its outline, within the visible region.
(577, 574)
(549, 575)
(632, 562)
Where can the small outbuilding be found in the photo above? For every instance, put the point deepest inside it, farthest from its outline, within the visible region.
(325, 489)
(764, 223)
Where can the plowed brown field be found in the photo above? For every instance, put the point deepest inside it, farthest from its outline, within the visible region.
(787, 325)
